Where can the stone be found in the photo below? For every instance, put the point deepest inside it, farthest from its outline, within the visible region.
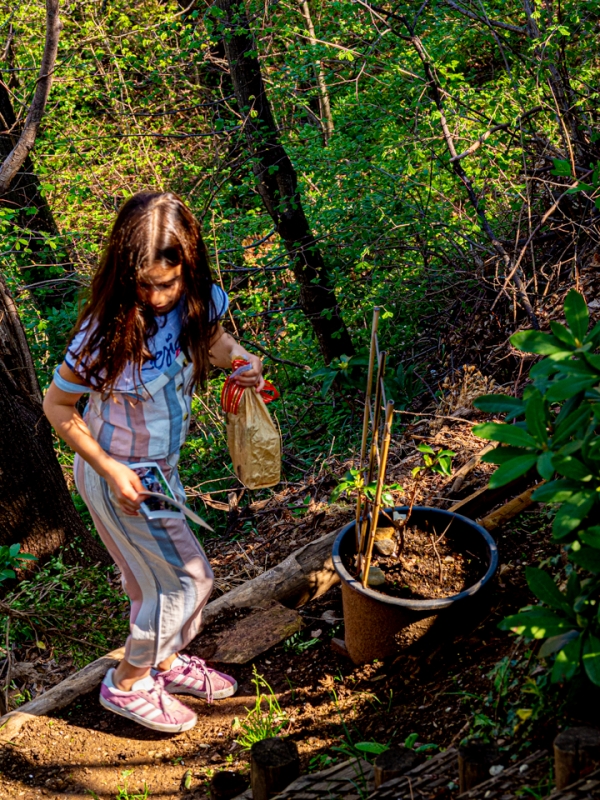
(385, 547)
(376, 577)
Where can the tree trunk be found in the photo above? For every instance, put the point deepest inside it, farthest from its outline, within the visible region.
(278, 183)
(36, 508)
(324, 104)
(24, 196)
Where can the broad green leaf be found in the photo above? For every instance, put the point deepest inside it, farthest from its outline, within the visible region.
(371, 747)
(507, 434)
(591, 537)
(593, 336)
(562, 333)
(535, 416)
(555, 492)
(570, 515)
(500, 455)
(544, 588)
(571, 467)
(577, 367)
(569, 424)
(565, 388)
(573, 587)
(511, 470)
(555, 643)
(591, 658)
(536, 623)
(566, 662)
(577, 315)
(544, 465)
(537, 342)
(13, 550)
(499, 404)
(586, 557)
(562, 168)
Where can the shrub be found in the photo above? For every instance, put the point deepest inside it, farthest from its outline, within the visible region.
(554, 429)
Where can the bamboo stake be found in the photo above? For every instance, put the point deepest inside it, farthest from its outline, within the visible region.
(366, 420)
(385, 448)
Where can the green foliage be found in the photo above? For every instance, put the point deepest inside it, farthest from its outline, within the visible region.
(265, 720)
(439, 461)
(11, 559)
(353, 482)
(556, 431)
(344, 373)
(77, 611)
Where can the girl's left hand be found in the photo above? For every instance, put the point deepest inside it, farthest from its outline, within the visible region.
(252, 377)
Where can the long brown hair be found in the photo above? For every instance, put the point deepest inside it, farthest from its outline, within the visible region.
(151, 228)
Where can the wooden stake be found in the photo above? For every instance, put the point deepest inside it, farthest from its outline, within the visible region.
(274, 764)
(385, 447)
(576, 752)
(366, 419)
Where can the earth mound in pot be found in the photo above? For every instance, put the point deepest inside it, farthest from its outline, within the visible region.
(378, 625)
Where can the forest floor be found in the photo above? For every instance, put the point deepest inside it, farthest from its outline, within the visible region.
(435, 691)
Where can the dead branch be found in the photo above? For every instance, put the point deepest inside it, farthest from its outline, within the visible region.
(16, 158)
(491, 22)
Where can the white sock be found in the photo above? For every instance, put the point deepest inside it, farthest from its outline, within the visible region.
(146, 683)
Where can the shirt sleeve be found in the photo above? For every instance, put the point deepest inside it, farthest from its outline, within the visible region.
(75, 347)
(219, 303)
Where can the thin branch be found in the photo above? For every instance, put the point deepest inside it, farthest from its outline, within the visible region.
(16, 158)
(491, 22)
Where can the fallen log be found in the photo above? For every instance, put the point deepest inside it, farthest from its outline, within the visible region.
(304, 575)
(508, 510)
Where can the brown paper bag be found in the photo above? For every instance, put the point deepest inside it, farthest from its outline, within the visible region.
(254, 443)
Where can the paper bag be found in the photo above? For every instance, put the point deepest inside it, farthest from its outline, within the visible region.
(254, 441)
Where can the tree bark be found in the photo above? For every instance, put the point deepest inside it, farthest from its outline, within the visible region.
(36, 508)
(278, 183)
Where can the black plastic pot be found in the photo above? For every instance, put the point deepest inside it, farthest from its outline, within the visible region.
(377, 625)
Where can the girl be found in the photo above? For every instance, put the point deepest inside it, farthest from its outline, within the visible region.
(144, 339)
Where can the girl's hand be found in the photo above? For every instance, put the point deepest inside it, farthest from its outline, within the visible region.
(126, 486)
(252, 377)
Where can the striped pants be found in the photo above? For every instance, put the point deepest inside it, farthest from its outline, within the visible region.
(164, 570)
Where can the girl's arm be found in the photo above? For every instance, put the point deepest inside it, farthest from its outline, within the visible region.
(68, 423)
(224, 348)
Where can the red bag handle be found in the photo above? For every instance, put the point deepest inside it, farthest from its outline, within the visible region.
(232, 392)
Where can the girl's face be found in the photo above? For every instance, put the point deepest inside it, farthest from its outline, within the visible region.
(161, 288)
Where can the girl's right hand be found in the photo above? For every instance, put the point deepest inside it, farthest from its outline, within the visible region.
(126, 487)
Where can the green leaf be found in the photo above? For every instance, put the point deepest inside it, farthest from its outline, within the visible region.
(593, 336)
(591, 658)
(544, 588)
(511, 470)
(565, 388)
(500, 455)
(371, 747)
(570, 424)
(563, 334)
(571, 467)
(577, 315)
(535, 416)
(410, 740)
(566, 662)
(507, 434)
(499, 404)
(591, 537)
(555, 492)
(536, 623)
(570, 515)
(544, 465)
(562, 168)
(573, 587)
(587, 557)
(555, 643)
(537, 342)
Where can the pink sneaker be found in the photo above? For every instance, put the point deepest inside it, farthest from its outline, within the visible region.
(191, 675)
(148, 704)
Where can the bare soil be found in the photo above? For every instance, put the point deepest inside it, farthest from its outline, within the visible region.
(426, 568)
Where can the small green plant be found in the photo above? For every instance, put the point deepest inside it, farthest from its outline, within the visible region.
(123, 791)
(296, 643)
(264, 720)
(353, 482)
(345, 372)
(11, 559)
(440, 461)
(403, 387)
(554, 430)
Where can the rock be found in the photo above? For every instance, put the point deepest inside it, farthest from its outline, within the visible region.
(376, 577)
(384, 533)
(385, 547)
